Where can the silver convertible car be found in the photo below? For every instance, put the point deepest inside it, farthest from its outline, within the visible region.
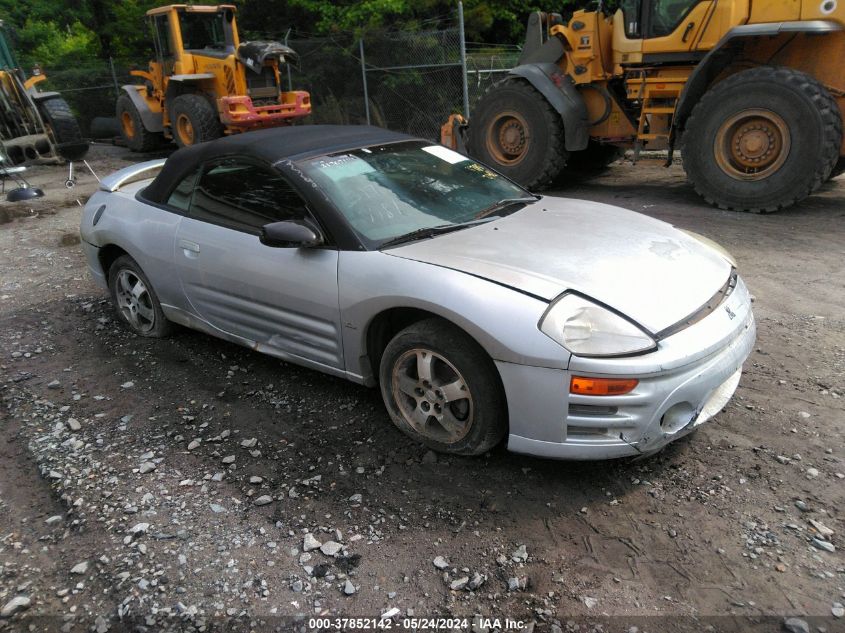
(575, 330)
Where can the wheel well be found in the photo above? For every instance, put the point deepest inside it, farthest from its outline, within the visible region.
(107, 256)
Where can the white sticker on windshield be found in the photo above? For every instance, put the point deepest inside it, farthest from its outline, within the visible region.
(444, 153)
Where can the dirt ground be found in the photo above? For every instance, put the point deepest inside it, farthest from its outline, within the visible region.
(147, 457)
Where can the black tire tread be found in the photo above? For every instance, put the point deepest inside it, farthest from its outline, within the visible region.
(556, 156)
(203, 116)
(63, 122)
(144, 140)
(798, 81)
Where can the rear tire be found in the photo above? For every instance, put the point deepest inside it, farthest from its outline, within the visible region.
(517, 132)
(137, 137)
(60, 118)
(134, 299)
(762, 140)
(440, 388)
(194, 120)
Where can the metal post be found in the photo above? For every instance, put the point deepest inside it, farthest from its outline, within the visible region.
(364, 78)
(464, 82)
(114, 76)
(290, 82)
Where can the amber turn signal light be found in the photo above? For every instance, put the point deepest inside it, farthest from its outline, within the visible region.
(602, 386)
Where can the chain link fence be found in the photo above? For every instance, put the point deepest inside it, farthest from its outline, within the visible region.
(408, 81)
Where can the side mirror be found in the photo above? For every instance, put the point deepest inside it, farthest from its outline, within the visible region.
(290, 234)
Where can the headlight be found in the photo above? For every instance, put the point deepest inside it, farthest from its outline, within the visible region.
(715, 246)
(587, 329)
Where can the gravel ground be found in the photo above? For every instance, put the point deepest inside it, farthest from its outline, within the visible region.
(191, 484)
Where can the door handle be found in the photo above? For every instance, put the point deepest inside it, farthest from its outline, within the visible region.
(189, 247)
(688, 30)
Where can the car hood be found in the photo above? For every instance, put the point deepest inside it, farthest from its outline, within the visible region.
(642, 267)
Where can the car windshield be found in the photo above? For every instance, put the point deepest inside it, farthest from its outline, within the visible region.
(403, 189)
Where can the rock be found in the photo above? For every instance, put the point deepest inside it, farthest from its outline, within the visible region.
(217, 508)
(520, 555)
(256, 480)
(146, 467)
(297, 586)
(348, 588)
(812, 473)
(127, 385)
(589, 602)
(825, 545)
(430, 457)
(54, 384)
(390, 613)
(229, 459)
(783, 459)
(139, 528)
(250, 443)
(194, 444)
(796, 625)
(801, 506)
(356, 498)
(331, 548)
(440, 562)
(263, 500)
(460, 583)
(837, 610)
(310, 543)
(518, 583)
(73, 424)
(476, 581)
(820, 527)
(803, 414)
(80, 568)
(15, 605)
(53, 520)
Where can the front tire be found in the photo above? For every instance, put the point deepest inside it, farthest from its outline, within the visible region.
(440, 388)
(517, 132)
(137, 137)
(194, 120)
(134, 299)
(762, 140)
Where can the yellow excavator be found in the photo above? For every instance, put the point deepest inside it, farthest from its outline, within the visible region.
(751, 92)
(204, 82)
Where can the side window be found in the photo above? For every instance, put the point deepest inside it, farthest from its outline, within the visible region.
(180, 198)
(161, 36)
(244, 196)
(631, 12)
(666, 15)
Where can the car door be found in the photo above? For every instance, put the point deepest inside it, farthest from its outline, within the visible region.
(283, 301)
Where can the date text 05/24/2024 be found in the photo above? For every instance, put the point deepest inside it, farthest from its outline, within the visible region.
(413, 624)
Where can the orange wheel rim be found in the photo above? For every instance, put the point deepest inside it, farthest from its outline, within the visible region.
(127, 124)
(508, 138)
(185, 129)
(752, 144)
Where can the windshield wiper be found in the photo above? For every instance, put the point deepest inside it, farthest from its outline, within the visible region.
(429, 231)
(504, 202)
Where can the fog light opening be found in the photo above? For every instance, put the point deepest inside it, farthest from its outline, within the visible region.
(677, 417)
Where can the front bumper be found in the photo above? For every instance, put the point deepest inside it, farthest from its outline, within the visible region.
(240, 112)
(682, 385)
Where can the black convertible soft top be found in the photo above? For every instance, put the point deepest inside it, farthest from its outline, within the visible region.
(271, 145)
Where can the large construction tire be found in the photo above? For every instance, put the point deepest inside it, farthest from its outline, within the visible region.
(137, 137)
(517, 132)
(58, 116)
(762, 140)
(194, 120)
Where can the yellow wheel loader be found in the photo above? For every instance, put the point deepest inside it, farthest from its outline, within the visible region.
(751, 91)
(204, 82)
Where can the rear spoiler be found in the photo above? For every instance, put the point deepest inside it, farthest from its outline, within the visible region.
(141, 171)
